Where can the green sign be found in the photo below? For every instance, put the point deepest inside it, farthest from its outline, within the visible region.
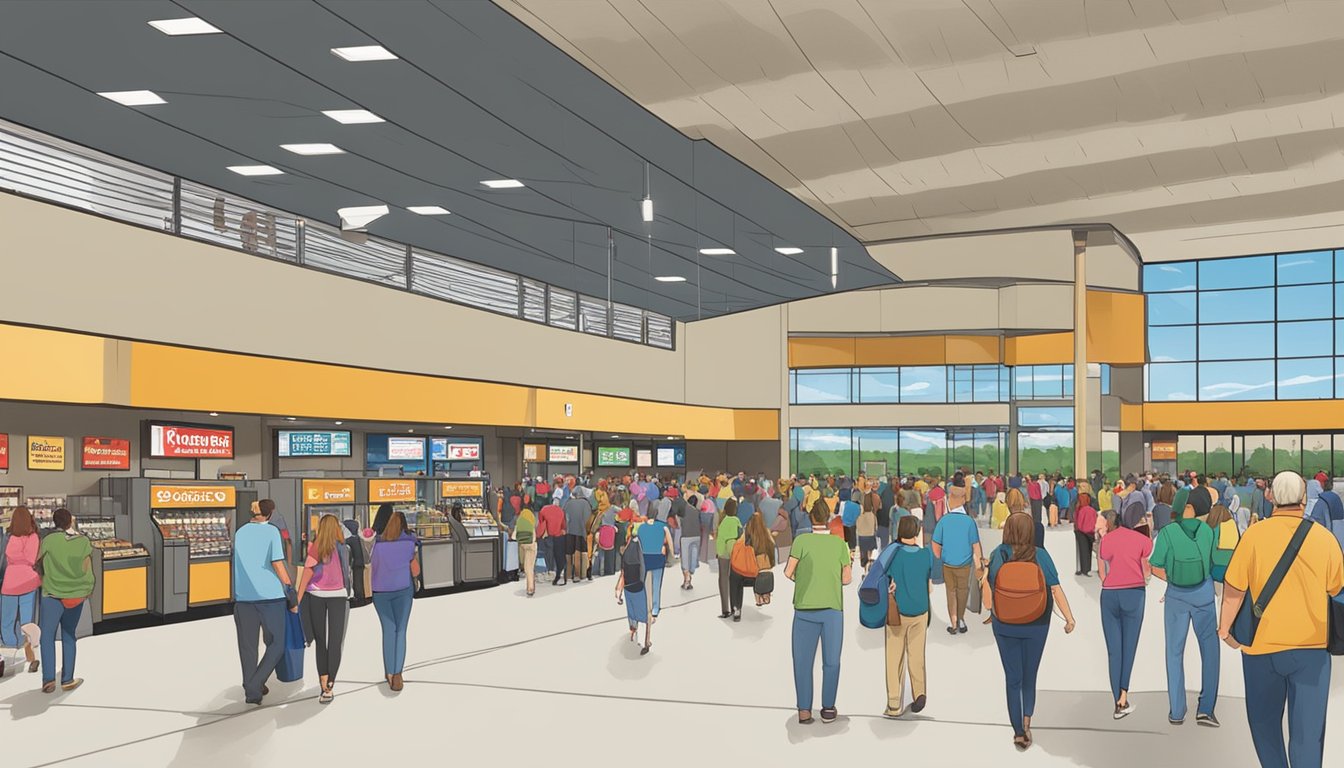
(613, 456)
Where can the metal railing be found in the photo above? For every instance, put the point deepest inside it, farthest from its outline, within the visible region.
(36, 165)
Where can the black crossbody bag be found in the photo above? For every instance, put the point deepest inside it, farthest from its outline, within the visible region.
(1247, 622)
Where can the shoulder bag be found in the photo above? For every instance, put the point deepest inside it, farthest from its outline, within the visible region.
(1247, 621)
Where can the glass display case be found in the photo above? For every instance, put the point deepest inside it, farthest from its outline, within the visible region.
(102, 533)
(43, 508)
(428, 523)
(208, 532)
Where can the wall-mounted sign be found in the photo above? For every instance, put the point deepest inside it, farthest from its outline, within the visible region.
(442, 450)
(290, 442)
(671, 456)
(318, 492)
(4, 451)
(533, 453)
(106, 453)
(644, 457)
(188, 441)
(613, 455)
(1164, 450)
(459, 489)
(563, 454)
(391, 490)
(46, 453)
(192, 497)
(405, 449)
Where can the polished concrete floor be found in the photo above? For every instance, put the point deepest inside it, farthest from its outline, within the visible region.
(495, 677)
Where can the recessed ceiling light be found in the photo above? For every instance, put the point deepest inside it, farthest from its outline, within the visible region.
(133, 98)
(255, 170)
(614, 436)
(670, 279)
(339, 423)
(359, 216)
(364, 53)
(646, 210)
(447, 427)
(312, 149)
(428, 210)
(788, 250)
(352, 116)
(290, 418)
(503, 183)
(214, 413)
(410, 430)
(188, 26)
(717, 252)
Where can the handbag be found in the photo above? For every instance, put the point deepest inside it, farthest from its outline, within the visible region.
(1247, 621)
(290, 667)
(893, 611)
(743, 559)
(1334, 641)
(765, 583)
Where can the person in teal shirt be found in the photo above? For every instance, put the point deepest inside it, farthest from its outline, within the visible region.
(911, 573)
(819, 565)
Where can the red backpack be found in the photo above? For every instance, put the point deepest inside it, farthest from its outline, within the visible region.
(606, 537)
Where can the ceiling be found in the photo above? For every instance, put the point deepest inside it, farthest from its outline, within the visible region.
(1179, 122)
(474, 95)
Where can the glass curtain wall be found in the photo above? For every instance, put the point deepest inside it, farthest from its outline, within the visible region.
(894, 451)
(1261, 455)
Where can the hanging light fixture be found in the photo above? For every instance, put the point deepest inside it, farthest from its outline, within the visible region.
(646, 205)
(835, 266)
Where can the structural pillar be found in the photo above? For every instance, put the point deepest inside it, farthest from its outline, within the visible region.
(1080, 387)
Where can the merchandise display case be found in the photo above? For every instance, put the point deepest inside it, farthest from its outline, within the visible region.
(121, 569)
(208, 532)
(192, 528)
(438, 546)
(102, 533)
(43, 508)
(11, 496)
(478, 536)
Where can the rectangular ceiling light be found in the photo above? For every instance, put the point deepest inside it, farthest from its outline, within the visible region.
(503, 183)
(352, 116)
(670, 279)
(788, 250)
(428, 210)
(312, 149)
(255, 170)
(717, 252)
(188, 26)
(364, 53)
(133, 98)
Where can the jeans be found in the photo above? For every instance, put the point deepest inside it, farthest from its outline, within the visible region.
(827, 627)
(866, 546)
(15, 611)
(654, 584)
(1084, 542)
(1121, 622)
(608, 562)
(1021, 653)
(1300, 679)
(324, 619)
(690, 553)
(1186, 606)
(267, 617)
(55, 615)
(394, 614)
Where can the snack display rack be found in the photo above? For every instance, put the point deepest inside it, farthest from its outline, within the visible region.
(43, 508)
(208, 532)
(11, 496)
(478, 537)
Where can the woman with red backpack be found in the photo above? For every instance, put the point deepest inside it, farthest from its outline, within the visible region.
(1022, 586)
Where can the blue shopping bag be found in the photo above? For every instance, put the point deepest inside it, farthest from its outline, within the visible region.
(290, 667)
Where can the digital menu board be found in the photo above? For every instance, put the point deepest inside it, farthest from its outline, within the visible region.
(106, 453)
(563, 454)
(671, 455)
(406, 449)
(188, 441)
(613, 455)
(442, 449)
(291, 442)
(644, 457)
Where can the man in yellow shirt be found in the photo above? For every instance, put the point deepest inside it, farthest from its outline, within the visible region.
(1287, 660)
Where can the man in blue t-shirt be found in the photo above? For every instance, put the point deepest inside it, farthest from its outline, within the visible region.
(261, 595)
(956, 541)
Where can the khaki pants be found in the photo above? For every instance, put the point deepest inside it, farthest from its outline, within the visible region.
(957, 582)
(527, 557)
(905, 653)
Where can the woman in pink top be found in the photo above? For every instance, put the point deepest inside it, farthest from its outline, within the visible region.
(324, 598)
(18, 593)
(1122, 563)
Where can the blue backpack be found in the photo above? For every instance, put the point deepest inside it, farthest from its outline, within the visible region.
(873, 592)
(1329, 511)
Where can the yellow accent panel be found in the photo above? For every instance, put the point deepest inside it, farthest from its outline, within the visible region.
(52, 366)
(598, 412)
(1254, 416)
(208, 582)
(1038, 349)
(1115, 328)
(125, 590)
(899, 350)
(821, 352)
(962, 350)
(1131, 418)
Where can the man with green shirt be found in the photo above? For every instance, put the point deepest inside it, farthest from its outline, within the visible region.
(819, 566)
(67, 580)
(1183, 557)
(727, 534)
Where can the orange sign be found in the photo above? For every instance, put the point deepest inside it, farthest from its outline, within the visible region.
(533, 453)
(192, 497)
(458, 489)
(328, 492)
(1164, 451)
(391, 490)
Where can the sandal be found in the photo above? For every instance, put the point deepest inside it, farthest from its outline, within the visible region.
(32, 666)
(326, 697)
(1021, 743)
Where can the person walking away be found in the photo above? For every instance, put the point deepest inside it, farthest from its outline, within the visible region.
(553, 526)
(655, 540)
(20, 588)
(1122, 563)
(782, 532)
(395, 567)
(358, 564)
(1084, 530)
(324, 599)
(1183, 557)
(1284, 657)
(1036, 498)
(762, 545)
(1063, 501)
(911, 573)
(1225, 539)
(725, 536)
(577, 509)
(820, 567)
(262, 592)
(632, 591)
(525, 533)
(1000, 513)
(866, 530)
(886, 500)
(956, 541)
(1162, 501)
(769, 507)
(606, 541)
(689, 516)
(1022, 586)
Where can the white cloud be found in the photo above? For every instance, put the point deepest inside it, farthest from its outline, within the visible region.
(1169, 268)
(918, 386)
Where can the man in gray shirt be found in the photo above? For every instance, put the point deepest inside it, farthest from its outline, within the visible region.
(577, 510)
(687, 512)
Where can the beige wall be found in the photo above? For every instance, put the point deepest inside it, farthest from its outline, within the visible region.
(935, 309)
(938, 415)
(736, 360)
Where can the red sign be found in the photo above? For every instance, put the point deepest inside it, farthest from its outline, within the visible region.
(170, 441)
(4, 451)
(106, 453)
(464, 451)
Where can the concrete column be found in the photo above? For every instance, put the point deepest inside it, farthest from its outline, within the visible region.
(1080, 390)
(783, 340)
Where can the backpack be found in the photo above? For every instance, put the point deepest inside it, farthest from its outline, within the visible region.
(1186, 567)
(1228, 536)
(1334, 514)
(873, 602)
(632, 567)
(1020, 594)
(606, 537)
